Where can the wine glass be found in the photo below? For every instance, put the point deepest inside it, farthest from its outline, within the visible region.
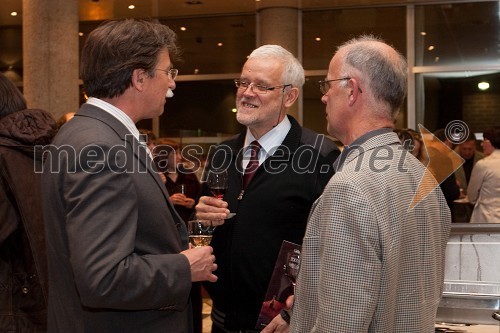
(217, 182)
(200, 232)
(292, 267)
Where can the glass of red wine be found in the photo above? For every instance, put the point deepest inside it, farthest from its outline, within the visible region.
(217, 182)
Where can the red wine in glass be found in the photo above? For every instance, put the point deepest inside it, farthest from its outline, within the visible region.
(218, 192)
(217, 183)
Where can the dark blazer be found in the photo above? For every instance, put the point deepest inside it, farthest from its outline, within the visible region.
(273, 208)
(113, 238)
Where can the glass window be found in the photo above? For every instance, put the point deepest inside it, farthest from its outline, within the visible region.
(334, 27)
(457, 33)
(201, 108)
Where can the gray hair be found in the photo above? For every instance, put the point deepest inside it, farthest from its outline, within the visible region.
(385, 72)
(293, 72)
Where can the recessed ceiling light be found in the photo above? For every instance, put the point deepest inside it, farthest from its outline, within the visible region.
(318, 39)
(80, 34)
(436, 59)
(13, 14)
(423, 33)
(183, 28)
(430, 48)
(234, 109)
(483, 85)
(131, 7)
(219, 44)
(196, 71)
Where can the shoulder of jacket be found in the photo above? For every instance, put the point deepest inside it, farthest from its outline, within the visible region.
(320, 142)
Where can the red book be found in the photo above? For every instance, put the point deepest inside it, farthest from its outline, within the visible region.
(282, 283)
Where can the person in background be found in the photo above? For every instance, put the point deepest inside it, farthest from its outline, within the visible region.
(183, 188)
(181, 183)
(467, 150)
(365, 263)
(118, 255)
(441, 169)
(150, 138)
(294, 164)
(64, 119)
(23, 258)
(411, 140)
(484, 189)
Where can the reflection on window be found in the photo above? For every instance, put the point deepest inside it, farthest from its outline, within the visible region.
(457, 33)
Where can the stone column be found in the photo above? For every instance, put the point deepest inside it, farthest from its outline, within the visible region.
(279, 23)
(51, 55)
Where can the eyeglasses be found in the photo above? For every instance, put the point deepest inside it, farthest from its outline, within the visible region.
(257, 88)
(324, 85)
(172, 72)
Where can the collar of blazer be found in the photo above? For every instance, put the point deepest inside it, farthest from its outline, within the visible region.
(378, 138)
(121, 131)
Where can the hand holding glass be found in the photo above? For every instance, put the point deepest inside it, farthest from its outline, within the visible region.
(217, 182)
(200, 232)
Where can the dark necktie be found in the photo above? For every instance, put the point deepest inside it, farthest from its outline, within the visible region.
(253, 163)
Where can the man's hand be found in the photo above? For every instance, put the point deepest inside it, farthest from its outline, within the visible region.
(212, 209)
(202, 263)
(278, 324)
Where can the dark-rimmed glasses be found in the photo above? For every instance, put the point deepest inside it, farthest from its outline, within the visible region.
(324, 85)
(172, 72)
(257, 88)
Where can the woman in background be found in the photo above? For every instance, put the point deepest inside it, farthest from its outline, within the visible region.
(484, 189)
(23, 271)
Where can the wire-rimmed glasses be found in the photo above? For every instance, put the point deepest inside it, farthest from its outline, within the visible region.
(324, 85)
(257, 88)
(172, 72)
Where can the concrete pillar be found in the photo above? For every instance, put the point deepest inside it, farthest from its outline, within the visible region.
(279, 24)
(51, 55)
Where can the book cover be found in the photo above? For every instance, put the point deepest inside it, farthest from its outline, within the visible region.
(281, 284)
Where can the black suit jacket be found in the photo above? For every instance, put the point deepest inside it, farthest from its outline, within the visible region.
(113, 238)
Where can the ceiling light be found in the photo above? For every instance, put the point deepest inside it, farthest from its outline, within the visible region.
(196, 71)
(318, 39)
(430, 48)
(234, 110)
(183, 28)
(80, 34)
(483, 85)
(13, 14)
(219, 44)
(131, 7)
(436, 59)
(423, 33)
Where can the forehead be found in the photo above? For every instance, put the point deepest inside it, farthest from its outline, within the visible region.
(263, 69)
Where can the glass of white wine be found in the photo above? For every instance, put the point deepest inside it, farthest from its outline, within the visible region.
(200, 232)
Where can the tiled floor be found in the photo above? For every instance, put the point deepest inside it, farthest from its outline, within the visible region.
(207, 322)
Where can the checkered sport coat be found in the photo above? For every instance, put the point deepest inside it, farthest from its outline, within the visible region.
(370, 263)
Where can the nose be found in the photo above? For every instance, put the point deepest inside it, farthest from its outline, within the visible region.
(323, 99)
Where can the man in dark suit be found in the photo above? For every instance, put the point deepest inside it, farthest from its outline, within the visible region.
(118, 254)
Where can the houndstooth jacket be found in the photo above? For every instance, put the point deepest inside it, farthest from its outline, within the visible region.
(370, 263)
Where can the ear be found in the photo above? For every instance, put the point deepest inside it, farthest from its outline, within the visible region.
(354, 92)
(291, 96)
(139, 78)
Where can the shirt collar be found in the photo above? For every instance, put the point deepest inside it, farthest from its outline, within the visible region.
(272, 139)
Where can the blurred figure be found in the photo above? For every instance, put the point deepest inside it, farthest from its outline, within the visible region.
(118, 253)
(442, 165)
(467, 150)
(181, 183)
(484, 188)
(411, 140)
(150, 138)
(184, 188)
(23, 258)
(64, 119)
(370, 261)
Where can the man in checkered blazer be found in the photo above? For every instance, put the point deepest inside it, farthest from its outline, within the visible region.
(371, 261)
